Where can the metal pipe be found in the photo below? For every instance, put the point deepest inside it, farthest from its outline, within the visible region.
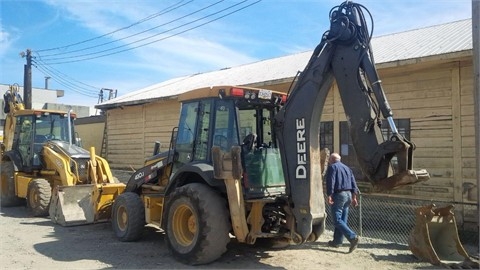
(46, 81)
(69, 127)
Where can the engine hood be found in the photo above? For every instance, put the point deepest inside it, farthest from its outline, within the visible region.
(71, 149)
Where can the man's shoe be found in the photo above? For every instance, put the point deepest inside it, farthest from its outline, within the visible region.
(353, 244)
(331, 244)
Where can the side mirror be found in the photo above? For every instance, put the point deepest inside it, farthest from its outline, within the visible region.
(78, 142)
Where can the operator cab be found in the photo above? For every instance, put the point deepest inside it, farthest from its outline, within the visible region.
(233, 116)
(34, 129)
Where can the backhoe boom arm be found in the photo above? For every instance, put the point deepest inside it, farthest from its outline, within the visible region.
(344, 54)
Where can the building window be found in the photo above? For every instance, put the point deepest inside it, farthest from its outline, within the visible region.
(349, 157)
(326, 135)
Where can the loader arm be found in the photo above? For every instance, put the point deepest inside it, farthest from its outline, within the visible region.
(13, 104)
(344, 54)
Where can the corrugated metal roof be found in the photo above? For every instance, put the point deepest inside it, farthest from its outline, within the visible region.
(435, 40)
(430, 41)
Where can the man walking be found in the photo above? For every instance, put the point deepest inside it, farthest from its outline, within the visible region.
(342, 191)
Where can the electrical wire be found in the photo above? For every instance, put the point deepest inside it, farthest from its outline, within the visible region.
(65, 82)
(56, 71)
(75, 85)
(149, 17)
(120, 39)
(106, 52)
(143, 39)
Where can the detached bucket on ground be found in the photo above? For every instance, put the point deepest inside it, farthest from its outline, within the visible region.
(435, 238)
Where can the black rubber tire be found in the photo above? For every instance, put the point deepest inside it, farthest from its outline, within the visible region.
(39, 194)
(318, 229)
(128, 217)
(8, 197)
(201, 219)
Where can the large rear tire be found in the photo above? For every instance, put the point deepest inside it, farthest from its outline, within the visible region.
(197, 226)
(39, 194)
(128, 217)
(8, 197)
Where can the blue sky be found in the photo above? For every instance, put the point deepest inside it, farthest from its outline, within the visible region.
(63, 34)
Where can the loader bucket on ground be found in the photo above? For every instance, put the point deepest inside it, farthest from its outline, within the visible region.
(435, 238)
(73, 205)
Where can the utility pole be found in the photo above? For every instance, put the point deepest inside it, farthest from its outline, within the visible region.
(476, 82)
(27, 79)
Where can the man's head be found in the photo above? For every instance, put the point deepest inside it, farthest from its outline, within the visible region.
(334, 158)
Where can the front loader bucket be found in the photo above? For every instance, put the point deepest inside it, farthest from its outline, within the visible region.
(435, 238)
(73, 205)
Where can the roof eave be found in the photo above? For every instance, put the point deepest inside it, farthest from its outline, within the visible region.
(114, 105)
(426, 59)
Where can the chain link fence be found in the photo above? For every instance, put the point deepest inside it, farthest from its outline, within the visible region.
(392, 218)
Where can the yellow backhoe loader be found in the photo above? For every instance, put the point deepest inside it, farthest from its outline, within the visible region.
(41, 163)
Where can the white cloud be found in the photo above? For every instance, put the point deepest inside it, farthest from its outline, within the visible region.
(190, 48)
(6, 41)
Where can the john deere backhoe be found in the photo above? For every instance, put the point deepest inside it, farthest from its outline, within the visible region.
(41, 164)
(247, 161)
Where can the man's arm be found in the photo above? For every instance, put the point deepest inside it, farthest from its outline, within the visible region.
(330, 179)
(355, 189)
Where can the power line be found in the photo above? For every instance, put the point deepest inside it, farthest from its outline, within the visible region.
(56, 71)
(46, 57)
(152, 16)
(69, 85)
(157, 40)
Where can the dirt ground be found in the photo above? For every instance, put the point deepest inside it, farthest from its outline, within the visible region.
(35, 243)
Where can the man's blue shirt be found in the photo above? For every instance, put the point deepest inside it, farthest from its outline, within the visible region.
(340, 177)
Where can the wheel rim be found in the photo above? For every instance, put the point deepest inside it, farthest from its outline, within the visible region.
(122, 218)
(33, 199)
(184, 225)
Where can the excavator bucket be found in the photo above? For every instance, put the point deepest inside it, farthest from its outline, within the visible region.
(401, 179)
(435, 238)
(73, 205)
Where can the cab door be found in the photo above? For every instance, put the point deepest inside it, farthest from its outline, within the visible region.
(23, 141)
(192, 140)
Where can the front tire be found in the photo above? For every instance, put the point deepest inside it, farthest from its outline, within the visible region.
(128, 217)
(197, 226)
(39, 194)
(8, 197)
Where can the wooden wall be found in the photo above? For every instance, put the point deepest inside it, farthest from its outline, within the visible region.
(438, 100)
(132, 131)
